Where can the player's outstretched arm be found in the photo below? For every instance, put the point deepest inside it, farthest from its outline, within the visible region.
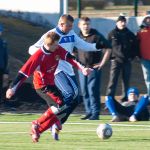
(15, 85)
(72, 60)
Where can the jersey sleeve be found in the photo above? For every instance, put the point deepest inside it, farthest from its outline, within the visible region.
(83, 45)
(27, 69)
(18, 82)
(63, 53)
(72, 60)
(30, 66)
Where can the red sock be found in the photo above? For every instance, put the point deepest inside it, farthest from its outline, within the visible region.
(46, 116)
(47, 124)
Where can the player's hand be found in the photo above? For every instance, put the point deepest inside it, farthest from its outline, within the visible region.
(9, 93)
(97, 66)
(87, 71)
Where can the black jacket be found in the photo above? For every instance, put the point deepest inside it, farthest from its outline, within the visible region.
(3, 55)
(124, 44)
(91, 58)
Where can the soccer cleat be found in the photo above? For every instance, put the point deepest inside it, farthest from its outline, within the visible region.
(86, 117)
(93, 118)
(55, 133)
(35, 132)
(55, 130)
(132, 118)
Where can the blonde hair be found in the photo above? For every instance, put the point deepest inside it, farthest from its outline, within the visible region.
(51, 37)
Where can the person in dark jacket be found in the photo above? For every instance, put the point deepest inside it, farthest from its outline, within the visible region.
(90, 86)
(124, 49)
(3, 60)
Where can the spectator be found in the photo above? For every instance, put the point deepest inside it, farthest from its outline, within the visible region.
(90, 85)
(134, 109)
(124, 49)
(144, 38)
(3, 60)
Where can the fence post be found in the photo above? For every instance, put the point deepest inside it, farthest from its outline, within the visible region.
(135, 8)
(79, 8)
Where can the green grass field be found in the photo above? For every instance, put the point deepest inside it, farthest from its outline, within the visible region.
(76, 135)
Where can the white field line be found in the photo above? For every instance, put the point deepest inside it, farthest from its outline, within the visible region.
(85, 123)
(5, 133)
(145, 127)
(76, 131)
(3, 122)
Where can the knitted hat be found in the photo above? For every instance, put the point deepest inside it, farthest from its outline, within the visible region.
(144, 22)
(133, 90)
(121, 18)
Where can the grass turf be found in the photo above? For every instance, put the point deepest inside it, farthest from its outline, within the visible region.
(76, 135)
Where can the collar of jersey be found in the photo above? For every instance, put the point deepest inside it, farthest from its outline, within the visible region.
(59, 31)
(45, 50)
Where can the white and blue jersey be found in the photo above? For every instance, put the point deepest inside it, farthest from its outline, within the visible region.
(68, 42)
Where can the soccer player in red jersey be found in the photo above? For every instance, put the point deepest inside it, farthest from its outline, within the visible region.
(42, 65)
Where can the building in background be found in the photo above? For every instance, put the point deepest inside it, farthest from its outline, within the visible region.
(43, 12)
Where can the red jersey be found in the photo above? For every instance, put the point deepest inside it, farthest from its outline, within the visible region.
(144, 38)
(43, 65)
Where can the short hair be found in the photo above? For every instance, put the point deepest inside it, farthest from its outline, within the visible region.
(51, 37)
(86, 19)
(66, 17)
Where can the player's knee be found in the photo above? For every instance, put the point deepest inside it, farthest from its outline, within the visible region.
(70, 96)
(76, 93)
(57, 110)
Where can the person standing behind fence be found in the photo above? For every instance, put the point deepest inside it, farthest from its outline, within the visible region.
(90, 86)
(144, 42)
(124, 49)
(3, 60)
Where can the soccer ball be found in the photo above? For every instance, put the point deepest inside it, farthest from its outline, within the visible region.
(104, 131)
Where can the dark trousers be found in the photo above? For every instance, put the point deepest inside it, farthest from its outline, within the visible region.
(115, 70)
(1, 85)
(123, 110)
(127, 111)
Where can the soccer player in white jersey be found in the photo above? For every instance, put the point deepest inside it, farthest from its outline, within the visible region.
(64, 75)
